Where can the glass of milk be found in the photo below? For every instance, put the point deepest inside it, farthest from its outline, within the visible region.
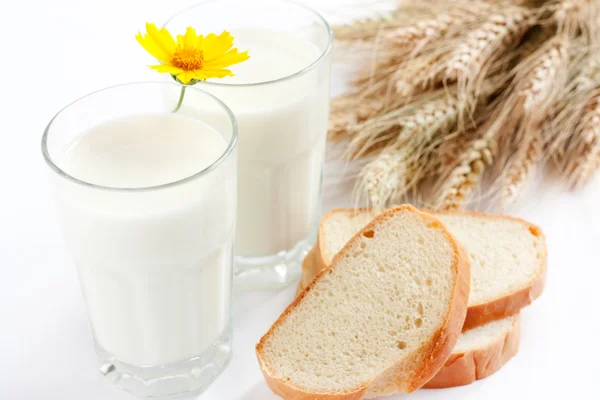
(280, 98)
(147, 205)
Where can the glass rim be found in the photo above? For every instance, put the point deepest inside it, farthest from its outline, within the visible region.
(224, 155)
(298, 73)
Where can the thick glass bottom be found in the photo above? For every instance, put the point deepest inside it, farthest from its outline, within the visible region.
(271, 272)
(183, 378)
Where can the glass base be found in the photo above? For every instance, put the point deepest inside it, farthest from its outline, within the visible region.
(183, 378)
(271, 272)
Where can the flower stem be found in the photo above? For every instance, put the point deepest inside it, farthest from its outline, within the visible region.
(181, 96)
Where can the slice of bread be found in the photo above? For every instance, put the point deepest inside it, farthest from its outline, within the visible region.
(508, 257)
(383, 318)
(479, 353)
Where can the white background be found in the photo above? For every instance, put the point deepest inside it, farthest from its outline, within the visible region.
(54, 51)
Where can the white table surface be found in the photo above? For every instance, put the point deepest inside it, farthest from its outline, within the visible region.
(54, 51)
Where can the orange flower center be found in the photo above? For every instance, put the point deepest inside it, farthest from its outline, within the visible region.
(188, 59)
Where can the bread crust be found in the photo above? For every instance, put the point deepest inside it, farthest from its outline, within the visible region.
(477, 314)
(506, 306)
(431, 355)
(465, 368)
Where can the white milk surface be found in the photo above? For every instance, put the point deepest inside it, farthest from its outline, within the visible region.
(282, 131)
(155, 265)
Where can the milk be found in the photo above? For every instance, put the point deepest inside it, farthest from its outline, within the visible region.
(282, 131)
(154, 264)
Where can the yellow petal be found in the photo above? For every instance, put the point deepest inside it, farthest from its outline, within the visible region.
(166, 68)
(149, 45)
(214, 46)
(161, 38)
(217, 73)
(189, 40)
(200, 75)
(227, 59)
(186, 76)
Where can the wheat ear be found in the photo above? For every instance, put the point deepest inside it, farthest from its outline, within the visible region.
(398, 46)
(400, 165)
(541, 79)
(348, 111)
(578, 18)
(417, 122)
(362, 30)
(584, 77)
(385, 178)
(475, 55)
(587, 152)
(466, 176)
(540, 86)
(586, 72)
(526, 160)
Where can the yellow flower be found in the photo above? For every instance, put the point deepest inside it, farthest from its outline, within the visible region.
(193, 57)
